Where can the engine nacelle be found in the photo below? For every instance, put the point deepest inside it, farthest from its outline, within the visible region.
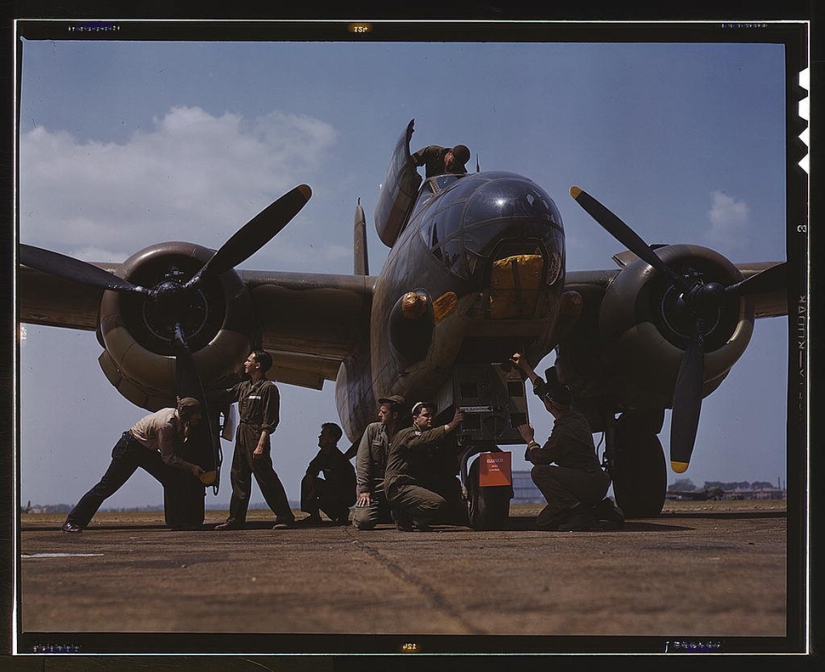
(219, 326)
(645, 332)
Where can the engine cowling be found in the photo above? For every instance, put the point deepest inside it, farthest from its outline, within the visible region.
(645, 330)
(219, 326)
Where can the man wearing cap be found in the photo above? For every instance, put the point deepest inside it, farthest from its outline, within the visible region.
(150, 444)
(413, 469)
(574, 484)
(438, 160)
(259, 414)
(371, 507)
(335, 492)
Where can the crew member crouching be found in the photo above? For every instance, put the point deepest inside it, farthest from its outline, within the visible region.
(335, 492)
(567, 469)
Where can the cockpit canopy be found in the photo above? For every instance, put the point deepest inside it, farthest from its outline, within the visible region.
(482, 217)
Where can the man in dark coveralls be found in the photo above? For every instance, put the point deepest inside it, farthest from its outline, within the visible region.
(575, 484)
(413, 476)
(371, 506)
(152, 443)
(259, 413)
(438, 160)
(335, 492)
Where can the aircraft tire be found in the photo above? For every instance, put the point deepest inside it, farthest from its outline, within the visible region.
(640, 475)
(488, 508)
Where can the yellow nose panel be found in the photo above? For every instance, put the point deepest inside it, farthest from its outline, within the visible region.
(514, 286)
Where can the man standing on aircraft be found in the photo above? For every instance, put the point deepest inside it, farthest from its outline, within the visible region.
(335, 492)
(371, 506)
(259, 413)
(575, 484)
(150, 444)
(438, 160)
(413, 475)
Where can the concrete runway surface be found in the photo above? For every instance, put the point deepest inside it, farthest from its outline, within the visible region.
(712, 573)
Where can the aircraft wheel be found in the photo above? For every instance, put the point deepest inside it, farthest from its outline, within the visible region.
(640, 475)
(488, 508)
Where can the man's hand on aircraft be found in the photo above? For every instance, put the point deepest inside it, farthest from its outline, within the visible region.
(520, 362)
(364, 500)
(458, 417)
(527, 433)
(196, 471)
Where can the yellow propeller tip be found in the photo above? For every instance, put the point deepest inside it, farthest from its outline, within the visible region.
(575, 191)
(679, 467)
(306, 191)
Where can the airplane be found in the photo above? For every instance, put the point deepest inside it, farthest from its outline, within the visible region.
(475, 272)
(702, 495)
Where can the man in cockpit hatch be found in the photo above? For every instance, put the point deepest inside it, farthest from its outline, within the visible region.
(438, 160)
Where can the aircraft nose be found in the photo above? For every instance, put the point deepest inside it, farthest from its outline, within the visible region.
(498, 221)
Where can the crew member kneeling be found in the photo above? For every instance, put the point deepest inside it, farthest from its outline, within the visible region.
(575, 484)
(413, 475)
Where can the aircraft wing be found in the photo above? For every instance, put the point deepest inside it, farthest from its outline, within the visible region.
(309, 322)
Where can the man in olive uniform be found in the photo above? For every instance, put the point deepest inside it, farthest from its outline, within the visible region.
(439, 160)
(259, 413)
(153, 444)
(335, 492)
(567, 469)
(413, 466)
(371, 507)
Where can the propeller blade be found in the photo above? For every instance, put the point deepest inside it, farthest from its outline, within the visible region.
(625, 235)
(772, 279)
(687, 402)
(255, 234)
(70, 268)
(188, 383)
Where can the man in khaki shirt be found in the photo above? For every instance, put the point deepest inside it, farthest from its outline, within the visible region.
(150, 444)
(413, 473)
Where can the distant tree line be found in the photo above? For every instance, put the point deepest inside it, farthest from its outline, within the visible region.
(686, 485)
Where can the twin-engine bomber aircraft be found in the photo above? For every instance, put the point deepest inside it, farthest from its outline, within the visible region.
(476, 271)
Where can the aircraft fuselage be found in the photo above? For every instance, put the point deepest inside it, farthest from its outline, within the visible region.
(476, 273)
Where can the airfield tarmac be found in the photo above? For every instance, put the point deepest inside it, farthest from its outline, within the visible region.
(702, 570)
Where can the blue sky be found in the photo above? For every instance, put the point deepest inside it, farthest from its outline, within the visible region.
(125, 144)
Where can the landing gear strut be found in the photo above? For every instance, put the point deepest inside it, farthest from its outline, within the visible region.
(636, 463)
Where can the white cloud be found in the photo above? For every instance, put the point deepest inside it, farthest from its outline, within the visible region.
(730, 221)
(194, 176)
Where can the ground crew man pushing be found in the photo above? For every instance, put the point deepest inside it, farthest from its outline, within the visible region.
(371, 507)
(259, 413)
(151, 443)
(575, 485)
(413, 469)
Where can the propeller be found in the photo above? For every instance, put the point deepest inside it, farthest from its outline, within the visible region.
(188, 384)
(769, 280)
(70, 268)
(699, 301)
(256, 233)
(174, 298)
